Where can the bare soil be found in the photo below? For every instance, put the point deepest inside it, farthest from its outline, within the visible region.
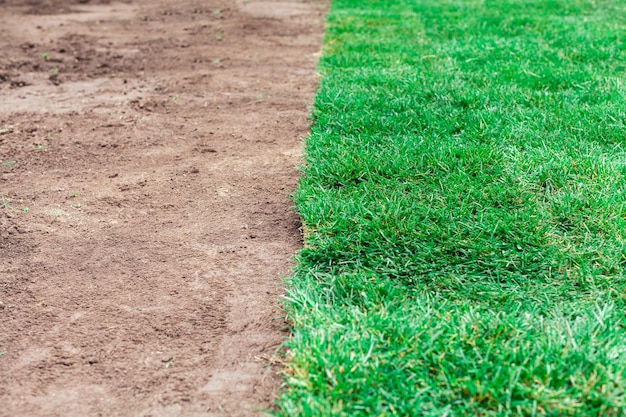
(147, 151)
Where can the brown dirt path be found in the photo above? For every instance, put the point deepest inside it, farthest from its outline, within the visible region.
(147, 149)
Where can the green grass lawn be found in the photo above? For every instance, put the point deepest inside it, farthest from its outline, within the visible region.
(464, 202)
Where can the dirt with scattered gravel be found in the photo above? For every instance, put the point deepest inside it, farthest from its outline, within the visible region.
(147, 151)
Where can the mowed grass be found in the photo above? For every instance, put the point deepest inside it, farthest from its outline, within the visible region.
(464, 203)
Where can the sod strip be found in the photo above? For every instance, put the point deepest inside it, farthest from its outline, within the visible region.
(464, 207)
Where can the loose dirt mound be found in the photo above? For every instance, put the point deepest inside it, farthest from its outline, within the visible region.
(147, 149)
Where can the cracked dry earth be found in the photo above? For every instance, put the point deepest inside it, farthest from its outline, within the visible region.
(147, 151)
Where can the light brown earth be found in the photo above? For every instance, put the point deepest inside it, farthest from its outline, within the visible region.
(147, 151)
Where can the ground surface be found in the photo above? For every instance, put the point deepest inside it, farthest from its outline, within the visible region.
(464, 199)
(147, 149)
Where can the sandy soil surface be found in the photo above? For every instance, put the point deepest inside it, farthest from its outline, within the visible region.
(147, 149)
